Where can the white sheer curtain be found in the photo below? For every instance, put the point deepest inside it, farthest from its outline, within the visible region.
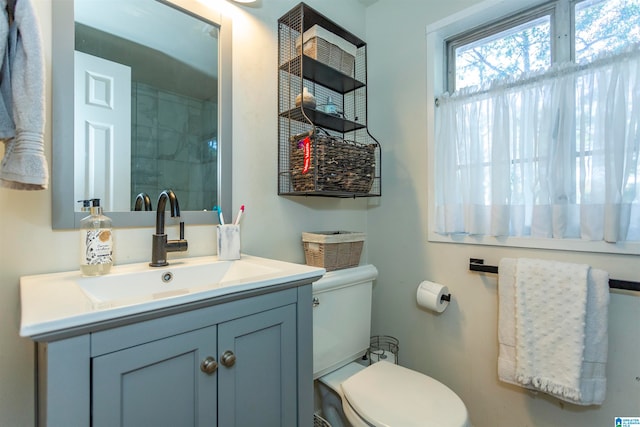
(553, 155)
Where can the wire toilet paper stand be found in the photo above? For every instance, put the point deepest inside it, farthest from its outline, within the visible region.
(383, 347)
(318, 421)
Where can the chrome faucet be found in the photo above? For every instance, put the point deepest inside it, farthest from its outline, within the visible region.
(160, 245)
(142, 199)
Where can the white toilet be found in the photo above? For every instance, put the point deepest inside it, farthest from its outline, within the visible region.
(382, 394)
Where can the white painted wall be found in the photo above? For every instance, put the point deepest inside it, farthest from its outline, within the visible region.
(459, 347)
(271, 227)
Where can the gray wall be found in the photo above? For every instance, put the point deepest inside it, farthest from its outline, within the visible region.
(459, 347)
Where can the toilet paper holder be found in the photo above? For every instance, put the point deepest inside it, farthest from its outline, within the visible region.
(433, 296)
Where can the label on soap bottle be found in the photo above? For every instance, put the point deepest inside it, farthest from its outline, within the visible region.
(96, 247)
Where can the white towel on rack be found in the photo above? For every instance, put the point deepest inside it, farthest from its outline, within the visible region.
(593, 380)
(507, 320)
(552, 328)
(551, 301)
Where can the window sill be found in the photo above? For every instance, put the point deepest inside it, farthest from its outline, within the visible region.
(578, 245)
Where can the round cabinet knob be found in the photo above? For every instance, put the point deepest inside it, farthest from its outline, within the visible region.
(228, 358)
(209, 365)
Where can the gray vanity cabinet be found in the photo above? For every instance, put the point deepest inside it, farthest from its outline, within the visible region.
(157, 383)
(164, 383)
(246, 362)
(260, 388)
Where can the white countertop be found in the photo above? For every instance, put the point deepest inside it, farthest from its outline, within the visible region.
(59, 301)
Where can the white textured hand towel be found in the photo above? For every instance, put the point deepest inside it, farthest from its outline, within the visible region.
(553, 328)
(551, 302)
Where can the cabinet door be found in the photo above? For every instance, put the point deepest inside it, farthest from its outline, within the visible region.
(259, 389)
(156, 384)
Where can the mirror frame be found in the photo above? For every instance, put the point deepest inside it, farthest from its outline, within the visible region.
(64, 215)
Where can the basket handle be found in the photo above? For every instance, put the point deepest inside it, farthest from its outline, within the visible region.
(300, 136)
(322, 130)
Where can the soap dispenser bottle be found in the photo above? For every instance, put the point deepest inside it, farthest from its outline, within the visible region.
(96, 241)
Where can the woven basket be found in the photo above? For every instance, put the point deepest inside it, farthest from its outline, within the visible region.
(333, 250)
(330, 54)
(335, 165)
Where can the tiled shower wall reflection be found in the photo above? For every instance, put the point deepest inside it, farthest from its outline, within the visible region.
(173, 145)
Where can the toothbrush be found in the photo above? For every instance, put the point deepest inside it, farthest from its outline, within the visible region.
(220, 216)
(240, 212)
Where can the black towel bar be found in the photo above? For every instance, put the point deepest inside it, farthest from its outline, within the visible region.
(477, 264)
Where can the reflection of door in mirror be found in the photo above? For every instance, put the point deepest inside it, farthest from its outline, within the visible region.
(102, 120)
(173, 94)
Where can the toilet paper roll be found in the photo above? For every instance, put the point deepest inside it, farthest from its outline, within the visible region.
(429, 295)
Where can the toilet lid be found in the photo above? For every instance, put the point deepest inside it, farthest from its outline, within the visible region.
(385, 394)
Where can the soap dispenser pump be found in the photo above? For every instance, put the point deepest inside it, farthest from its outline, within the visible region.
(96, 240)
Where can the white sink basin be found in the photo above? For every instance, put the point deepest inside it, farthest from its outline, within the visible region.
(58, 301)
(181, 277)
(153, 282)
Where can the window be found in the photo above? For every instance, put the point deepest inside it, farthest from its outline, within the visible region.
(539, 137)
(605, 26)
(523, 43)
(512, 47)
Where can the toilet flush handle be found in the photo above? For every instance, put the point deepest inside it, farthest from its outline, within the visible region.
(316, 302)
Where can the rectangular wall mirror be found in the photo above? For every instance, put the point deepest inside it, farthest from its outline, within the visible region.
(141, 103)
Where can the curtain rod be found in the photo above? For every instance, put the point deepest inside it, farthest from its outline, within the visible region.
(477, 264)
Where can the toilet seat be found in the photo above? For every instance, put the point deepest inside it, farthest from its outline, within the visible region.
(385, 394)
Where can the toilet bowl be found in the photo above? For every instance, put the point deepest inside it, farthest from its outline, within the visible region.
(383, 393)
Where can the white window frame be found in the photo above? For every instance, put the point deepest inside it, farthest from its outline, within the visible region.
(485, 13)
(558, 51)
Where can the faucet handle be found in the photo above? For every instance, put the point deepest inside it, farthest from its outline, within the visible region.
(181, 230)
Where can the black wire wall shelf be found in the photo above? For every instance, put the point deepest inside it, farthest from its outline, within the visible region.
(323, 120)
(321, 73)
(324, 146)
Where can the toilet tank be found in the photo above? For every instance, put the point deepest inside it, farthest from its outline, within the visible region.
(341, 317)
